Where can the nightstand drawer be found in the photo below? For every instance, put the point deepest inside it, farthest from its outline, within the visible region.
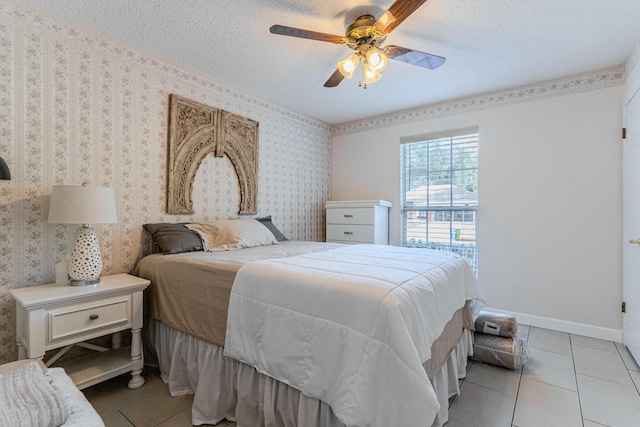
(350, 233)
(350, 216)
(86, 319)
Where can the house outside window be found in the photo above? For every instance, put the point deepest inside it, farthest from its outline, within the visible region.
(439, 195)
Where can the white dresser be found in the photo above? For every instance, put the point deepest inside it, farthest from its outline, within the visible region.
(358, 221)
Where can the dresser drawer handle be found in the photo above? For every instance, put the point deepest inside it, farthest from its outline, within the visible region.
(348, 216)
(93, 317)
(348, 232)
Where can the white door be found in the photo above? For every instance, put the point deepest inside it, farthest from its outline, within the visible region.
(631, 223)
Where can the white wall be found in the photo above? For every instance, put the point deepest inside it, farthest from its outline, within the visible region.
(550, 194)
(632, 83)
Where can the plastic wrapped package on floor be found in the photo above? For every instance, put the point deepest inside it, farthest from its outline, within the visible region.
(499, 324)
(510, 353)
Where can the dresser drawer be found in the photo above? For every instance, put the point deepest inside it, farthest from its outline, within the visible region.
(89, 320)
(350, 216)
(350, 233)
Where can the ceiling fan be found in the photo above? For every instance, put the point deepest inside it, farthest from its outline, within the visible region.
(366, 36)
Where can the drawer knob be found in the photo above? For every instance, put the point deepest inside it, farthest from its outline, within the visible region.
(348, 232)
(348, 216)
(93, 317)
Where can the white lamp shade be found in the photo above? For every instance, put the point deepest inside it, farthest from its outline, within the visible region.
(348, 65)
(75, 204)
(371, 75)
(377, 59)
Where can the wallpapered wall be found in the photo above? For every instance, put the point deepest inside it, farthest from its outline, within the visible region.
(77, 106)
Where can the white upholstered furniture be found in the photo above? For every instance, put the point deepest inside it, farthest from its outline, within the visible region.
(62, 401)
(358, 221)
(54, 316)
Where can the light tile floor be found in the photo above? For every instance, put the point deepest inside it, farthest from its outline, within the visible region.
(149, 406)
(570, 380)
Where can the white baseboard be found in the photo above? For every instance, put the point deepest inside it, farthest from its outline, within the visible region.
(608, 334)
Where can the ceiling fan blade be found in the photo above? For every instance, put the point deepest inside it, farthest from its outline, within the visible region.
(397, 12)
(305, 34)
(335, 79)
(414, 57)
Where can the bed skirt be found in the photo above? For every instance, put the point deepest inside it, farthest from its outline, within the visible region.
(225, 388)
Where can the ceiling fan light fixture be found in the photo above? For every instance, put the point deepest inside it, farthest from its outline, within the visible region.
(371, 75)
(348, 65)
(366, 35)
(377, 59)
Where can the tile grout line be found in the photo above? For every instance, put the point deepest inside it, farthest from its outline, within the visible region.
(575, 376)
(515, 404)
(127, 418)
(628, 370)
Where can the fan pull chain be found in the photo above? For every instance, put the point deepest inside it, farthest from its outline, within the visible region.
(362, 76)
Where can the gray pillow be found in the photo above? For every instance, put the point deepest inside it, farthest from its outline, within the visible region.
(174, 238)
(266, 221)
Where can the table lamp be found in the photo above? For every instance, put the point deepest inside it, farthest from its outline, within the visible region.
(75, 204)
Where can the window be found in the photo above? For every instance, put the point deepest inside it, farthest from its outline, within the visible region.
(458, 216)
(440, 193)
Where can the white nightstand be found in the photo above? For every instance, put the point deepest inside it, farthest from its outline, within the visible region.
(54, 316)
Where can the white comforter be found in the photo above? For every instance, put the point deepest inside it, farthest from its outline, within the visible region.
(350, 326)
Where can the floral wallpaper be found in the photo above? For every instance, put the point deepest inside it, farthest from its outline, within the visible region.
(77, 106)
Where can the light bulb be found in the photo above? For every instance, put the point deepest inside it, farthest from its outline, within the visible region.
(371, 74)
(377, 59)
(348, 65)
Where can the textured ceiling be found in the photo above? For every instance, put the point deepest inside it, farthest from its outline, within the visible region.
(490, 45)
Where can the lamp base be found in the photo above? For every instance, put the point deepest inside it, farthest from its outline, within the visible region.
(84, 282)
(85, 264)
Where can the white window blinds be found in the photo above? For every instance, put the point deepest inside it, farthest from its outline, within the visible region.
(440, 193)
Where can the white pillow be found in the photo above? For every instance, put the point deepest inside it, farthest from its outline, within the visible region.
(229, 234)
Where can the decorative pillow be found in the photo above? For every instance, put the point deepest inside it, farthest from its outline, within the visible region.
(174, 238)
(229, 234)
(266, 221)
(27, 398)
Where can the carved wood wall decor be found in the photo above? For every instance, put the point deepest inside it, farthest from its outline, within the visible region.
(197, 130)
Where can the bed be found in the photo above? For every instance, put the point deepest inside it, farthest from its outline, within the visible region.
(289, 333)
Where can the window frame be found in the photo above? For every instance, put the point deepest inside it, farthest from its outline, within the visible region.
(442, 214)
